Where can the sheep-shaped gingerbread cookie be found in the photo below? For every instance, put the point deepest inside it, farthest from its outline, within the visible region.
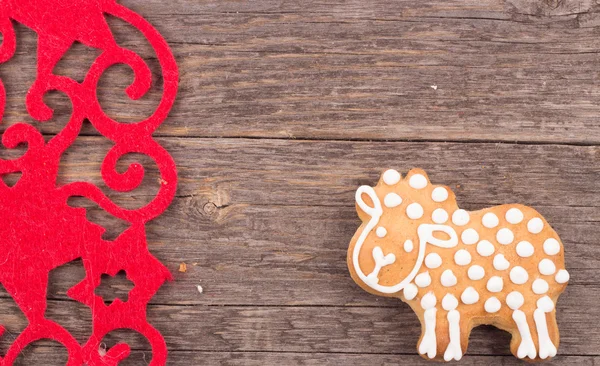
(456, 269)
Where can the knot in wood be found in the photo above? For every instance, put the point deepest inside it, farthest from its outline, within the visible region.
(210, 208)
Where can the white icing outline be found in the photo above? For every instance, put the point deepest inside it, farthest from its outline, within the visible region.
(433, 260)
(547, 267)
(562, 276)
(410, 291)
(454, 350)
(551, 246)
(476, 272)
(526, 348)
(392, 200)
(540, 286)
(462, 257)
(495, 284)
(423, 279)
(408, 246)
(470, 296)
(448, 278)
(380, 262)
(439, 194)
(492, 305)
(424, 232)
(545, 346)
(428, 343)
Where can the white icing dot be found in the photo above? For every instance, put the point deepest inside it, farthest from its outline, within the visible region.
(524, 249)
(410, 291)
(462, 257)
(448, 278)
(490, 220)
(562, 276)
(500, 263)
(414, 211)
(439, 194)
(469, 236)
(518, 275)
(391, 177)
(535, 225)
(545, 303)
(433, 260)
(551, 246)
(417, 181)
(546, 267)
(408, 246)
(449, 302)
(469, 296)
(492, 305)
(460, 217)
(485, 248)
(514, 216)
(505, 236)
(495, 284)
(423, 279)
(476, 272)
(515, 300)
(381, 232)
(539, 286)
(428, 301)
(392, 200)
(439, 216)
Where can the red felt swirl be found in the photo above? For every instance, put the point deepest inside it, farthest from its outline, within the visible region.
(38, 224)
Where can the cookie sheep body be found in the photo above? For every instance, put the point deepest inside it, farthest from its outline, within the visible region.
(502, 265)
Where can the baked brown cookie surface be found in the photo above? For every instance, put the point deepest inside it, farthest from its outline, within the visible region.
(502, 265)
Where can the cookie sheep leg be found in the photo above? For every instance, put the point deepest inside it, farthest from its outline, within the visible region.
(546, 346)
(526, 347)
(453, 350)
(428, 344)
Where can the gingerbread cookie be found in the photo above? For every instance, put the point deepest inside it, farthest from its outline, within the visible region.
(502, 265)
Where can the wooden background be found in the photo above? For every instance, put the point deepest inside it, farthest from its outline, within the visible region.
(284, 108)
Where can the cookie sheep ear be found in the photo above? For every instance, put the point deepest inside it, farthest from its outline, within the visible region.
(367, 210)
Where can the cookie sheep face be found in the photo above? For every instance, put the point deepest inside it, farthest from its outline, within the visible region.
(402, 206)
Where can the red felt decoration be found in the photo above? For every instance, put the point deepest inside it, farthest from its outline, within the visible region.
(39, 231)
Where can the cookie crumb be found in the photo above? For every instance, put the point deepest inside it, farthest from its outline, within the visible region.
(182, 267)
(200, 289)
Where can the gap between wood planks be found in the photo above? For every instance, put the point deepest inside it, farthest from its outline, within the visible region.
(333, 139)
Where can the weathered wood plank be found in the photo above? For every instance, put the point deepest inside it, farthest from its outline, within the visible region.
(326, 173)
(358, 330)
(287, 255)
(470, 9)
(288, 248)
(361, 70)
(51, 358)
(268, 223)
(278, 215)
(320, 359)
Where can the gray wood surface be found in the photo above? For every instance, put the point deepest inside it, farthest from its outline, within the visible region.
(285, 107)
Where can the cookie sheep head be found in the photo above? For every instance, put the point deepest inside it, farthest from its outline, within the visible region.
(400, 228)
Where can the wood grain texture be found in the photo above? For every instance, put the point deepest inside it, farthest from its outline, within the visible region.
(48, 354)
(285, 107)
(365, 70)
